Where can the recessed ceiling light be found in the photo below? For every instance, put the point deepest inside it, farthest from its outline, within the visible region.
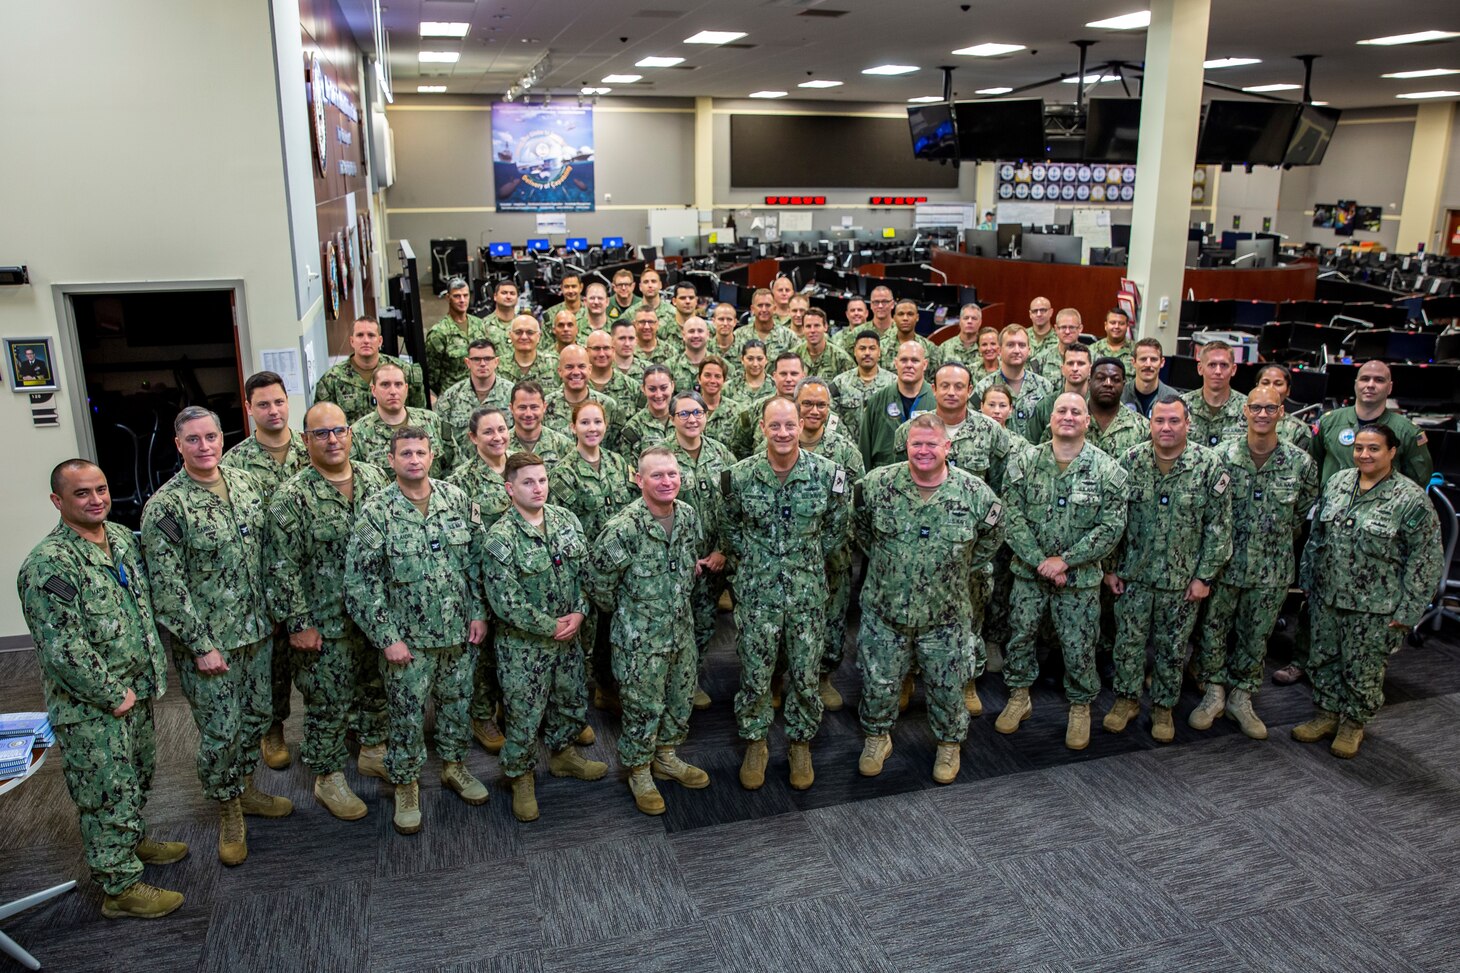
(622, 78)
(591, 90)
(993, 91)
(891, 69)
(1426, 73)
(1257, 88)
(715, 37)
(1230, 62)
(658, 62)
(925, 100)
(1135, 21)
(1092, 79)
(820, 84)
(1418, 37)
(1320, 104)
(989, 50)
(430, 89)
(1430, 94)
(435, 28)
(439, 57)
(768, 94)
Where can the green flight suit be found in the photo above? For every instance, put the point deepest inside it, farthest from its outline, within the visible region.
(1332, 447)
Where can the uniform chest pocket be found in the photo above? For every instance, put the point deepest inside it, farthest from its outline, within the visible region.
(102, 603)
(458, 536)
(205, 546)
(328, 530)
(807, 510)
(1376, 539)
(758, 511)
(407, 558)
(535, 560)
(958, 530)
(1086, 512)
(1038, 494)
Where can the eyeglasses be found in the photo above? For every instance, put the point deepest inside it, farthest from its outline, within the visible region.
(481, 358)
(689, 414)
(338, 432)
(1264, 410)
(879, 300)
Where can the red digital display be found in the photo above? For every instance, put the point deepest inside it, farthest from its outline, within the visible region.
(896, 200)
(795, 200)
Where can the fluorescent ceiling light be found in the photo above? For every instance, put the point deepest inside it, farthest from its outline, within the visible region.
(993, 91)
(1230, 62)
(891, 69)
(1092, 79)
(1320, 104)
(989, 50)
(594, 91)
(436, 28)
(658, 62)
(1256, 88)
(1426, 73)
(715, 37)
(1135, 21)
(820, 84)
(439, 57)
(1419, 37)
(622, 78)
(925, 100)
(1430, 94)
(430, 89)
(768, 94)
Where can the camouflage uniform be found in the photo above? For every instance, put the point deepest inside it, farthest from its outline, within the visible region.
(891, 341)
(484, 487)
(1296, 431)
(686, 373)
(1077, 515)
(844, 453)
(623, 390)
(780, 339)
(557, 413)
(1210, 426)
(371, 439)
(90, 616)
(1046, 362)
(1332, 447)
(1128, 429)
(1126, 353)
(305, 561)
(551, 447)
(882, 415)
(550, 315)
(640, 431)
(205, 562)
(543, 370)
(720, 424)
(1372, 558)
(455, 406)
(534, 577)
(1038, 343)
(343, 385)
(913, 609)
(446, 348)
(1031, 392)
(1269, 506)
(1178, 529)
(954, 350)
(782, 535)
(699, 486)
(849, 394)
(847, 337)
(418, 580)
(645, 579)
(829, 364)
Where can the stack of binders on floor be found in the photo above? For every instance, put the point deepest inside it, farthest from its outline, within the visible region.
(37, 725)
(15, 756)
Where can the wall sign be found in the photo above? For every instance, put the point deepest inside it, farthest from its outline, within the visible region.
(542, 158)
(1065, 182)
(331, 281)
(316, 106)
(32, 365)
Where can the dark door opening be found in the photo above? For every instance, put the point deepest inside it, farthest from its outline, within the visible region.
(146, 356)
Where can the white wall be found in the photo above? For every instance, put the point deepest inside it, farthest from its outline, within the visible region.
(1366, 162)
(142, 142)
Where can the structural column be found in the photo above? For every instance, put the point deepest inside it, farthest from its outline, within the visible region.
(1176, 45)
(1425, 180)
(704, 154)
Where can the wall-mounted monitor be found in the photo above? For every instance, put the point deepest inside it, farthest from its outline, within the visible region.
(499, 251)
(1246, 132)
(1112, 126)
(1007, 130)
(539, 245)
(933, 136)
(613, 243)
(1311, 136)
(578, 244)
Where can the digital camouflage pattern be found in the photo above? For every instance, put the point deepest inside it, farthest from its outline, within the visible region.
(250, 455)
(646, 580)
(623, 390)
(543, 369)
(455, 406)
(1045, 361)
(844, 453)
(446, 348)
(979, 446)
(699, 486)
(485, 487)
(849, 394)
(557, 413)
(781, 338)
(1126, 353)
(1032, 390)
(551, 447)
(1296, 431)
(954, 350)
(642, 429)
(347, 388)
(371, 439)
(892, 341)
(592, 495)
(1127, 430)
(832, 361)
(1210, 426)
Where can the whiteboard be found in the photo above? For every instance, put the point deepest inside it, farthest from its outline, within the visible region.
(795, 221)
(672, 222)
(1037, 214)
(962, 215)
(1092, 226)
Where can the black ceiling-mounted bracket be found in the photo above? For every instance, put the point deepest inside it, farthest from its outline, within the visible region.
(1307, 60)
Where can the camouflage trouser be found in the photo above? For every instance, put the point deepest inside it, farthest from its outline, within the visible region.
(765, 631)
(444, 676)
(598, 652)
(326, 680)
(486, 691)
(1165, 619)
(884, 653)
(1349, 653)
(1241, 666)
(368, 711)
(838, 601)
(107, 763)
(657, 690)
(542, 689)
(980, 587)
(232, 712)
(996, 624)
(1075, 615)
(704, 602)
(283, 666)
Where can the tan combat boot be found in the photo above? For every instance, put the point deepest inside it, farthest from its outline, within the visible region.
(568, 762)
(261, 805)
(160, 852)
(1346, 744)
(586, 738)
(802, 774)
(874, 753)
(455, 776)
(335, 796)
(488, 734)
(1212, 705)
(371, 761)
(1239, 708)
(1323, 725)
(524, 800)
(1163, 728)
(752, 768)
(701, 699)
(141, 901)
(905, 695)
(1016, 711)
(831, 700)
(407, 819)
(646, 796)
(274, 749)
(971, 702)
(232, 833)
(1077, 727)
(946, 763)
(1121, 714)
(668, 766)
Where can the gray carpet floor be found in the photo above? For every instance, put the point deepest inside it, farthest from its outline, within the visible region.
(1214, 853)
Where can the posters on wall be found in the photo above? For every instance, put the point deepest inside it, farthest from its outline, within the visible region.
(542, 158)
(1066, 182)
(1346, 216)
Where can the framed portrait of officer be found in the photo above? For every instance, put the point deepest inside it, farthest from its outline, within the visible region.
(32, 365)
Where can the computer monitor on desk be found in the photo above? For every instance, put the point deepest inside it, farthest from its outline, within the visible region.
(1253, 253)
(1049, 248)
(982, 243)
(1009, 236)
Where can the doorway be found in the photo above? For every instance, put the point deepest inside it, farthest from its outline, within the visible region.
(1452, 233)
(145, 356)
